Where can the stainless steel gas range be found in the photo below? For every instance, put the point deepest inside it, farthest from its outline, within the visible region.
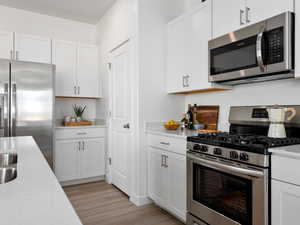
(228, 178)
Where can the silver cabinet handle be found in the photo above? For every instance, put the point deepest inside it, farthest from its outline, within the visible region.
(165, 143)
(241, 17)
(247, 15)
(183, 81)
(75, 90)
(166, 162)
(79, 145)
(126, 126)
(187, 81)
(83, 145)
(11, 54)
(78, 90)
(162, 160)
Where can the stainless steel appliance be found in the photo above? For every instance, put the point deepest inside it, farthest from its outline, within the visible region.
(259, 52)
(228, 178)
(27, 102)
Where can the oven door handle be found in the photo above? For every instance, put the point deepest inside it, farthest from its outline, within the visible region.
(226, 168)
(259, 53)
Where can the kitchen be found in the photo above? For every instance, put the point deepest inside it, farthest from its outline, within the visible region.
(160, 49)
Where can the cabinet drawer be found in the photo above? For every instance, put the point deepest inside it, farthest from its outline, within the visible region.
(286, 169)
(167, 143)
(80, 133)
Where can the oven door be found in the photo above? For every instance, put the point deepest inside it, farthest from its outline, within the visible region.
(222, 193)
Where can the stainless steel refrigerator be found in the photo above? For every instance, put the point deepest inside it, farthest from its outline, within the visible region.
(27, 102)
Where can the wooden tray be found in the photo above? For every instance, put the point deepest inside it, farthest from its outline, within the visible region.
(81, 123)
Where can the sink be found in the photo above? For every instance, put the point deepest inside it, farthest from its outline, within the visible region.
(7, 174)
(7, 159)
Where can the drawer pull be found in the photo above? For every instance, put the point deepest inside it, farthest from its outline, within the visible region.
(164, 143)
(82, 133)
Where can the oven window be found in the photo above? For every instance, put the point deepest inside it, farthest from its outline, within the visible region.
(227, 194)
(237, 56)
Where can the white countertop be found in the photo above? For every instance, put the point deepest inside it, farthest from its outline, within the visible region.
(158, 129)
(35, 196)
(292, 151)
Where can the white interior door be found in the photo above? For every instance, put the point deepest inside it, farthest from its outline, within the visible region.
(120, 122)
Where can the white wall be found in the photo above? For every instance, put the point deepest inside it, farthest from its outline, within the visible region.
(46, 26)
(284, 92)
(115, 27)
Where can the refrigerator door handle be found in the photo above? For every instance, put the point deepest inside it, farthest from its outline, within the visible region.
(13, 109)
(5, 111)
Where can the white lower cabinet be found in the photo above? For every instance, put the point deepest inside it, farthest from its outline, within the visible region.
(167, 180)
(285, 203)
(66, 160)
(79, 157)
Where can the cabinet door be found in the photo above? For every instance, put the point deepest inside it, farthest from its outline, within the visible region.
(66, 160)
(157, 183)
(228, 16)
(92, 158)
(6, 44)
(285, 203)
(260, 10)
(199, 33)
(177, 184)
(64, 57)
(177, 55)
(32, 48)
(87, 71)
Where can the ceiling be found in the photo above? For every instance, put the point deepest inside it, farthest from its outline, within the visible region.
(87, 11)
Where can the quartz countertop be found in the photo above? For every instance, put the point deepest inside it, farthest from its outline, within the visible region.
(292, 151)
(35, 197)
(159, 129)
(96, 124)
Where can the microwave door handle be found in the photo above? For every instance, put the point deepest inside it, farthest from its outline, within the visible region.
(259, 54)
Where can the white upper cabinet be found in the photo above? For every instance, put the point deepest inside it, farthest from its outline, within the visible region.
(176, 55)
(87, 70)
(6, 44)
(259, 10)
(76, 69)
(231, 15)
(187, 51)
(64, 57)
(32, 48)
(228, 16)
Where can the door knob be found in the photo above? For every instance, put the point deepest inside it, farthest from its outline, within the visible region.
(126, 126)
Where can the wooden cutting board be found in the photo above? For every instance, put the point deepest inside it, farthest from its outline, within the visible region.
(209, 116)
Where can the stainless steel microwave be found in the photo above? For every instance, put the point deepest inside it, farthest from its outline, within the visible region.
(259, 52)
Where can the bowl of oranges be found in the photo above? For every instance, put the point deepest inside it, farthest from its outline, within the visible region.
(171, 125)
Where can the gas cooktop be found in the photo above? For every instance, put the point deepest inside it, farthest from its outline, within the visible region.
(250, 143)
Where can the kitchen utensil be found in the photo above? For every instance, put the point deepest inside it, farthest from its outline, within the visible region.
(277, 117)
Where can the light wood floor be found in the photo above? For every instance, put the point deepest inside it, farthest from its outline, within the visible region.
(103, 204)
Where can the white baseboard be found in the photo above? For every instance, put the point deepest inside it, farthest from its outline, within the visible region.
(140, 200)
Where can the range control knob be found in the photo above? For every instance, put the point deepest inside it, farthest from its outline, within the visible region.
(204, 148)
(234, 155)
(197, 147)
(244, 157)
(218, 151)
